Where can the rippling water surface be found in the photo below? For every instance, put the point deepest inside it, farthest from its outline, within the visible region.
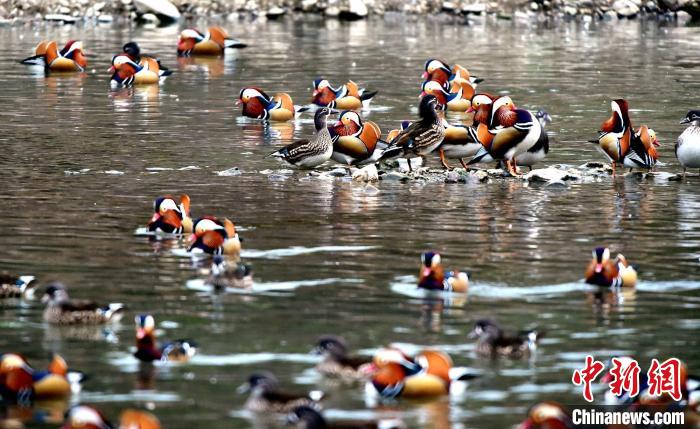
(81, 165)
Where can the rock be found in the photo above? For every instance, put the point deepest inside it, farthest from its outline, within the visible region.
(474, 9)
(551, 174)
(355, 9)
(395, 176)
(338, 172)
(235, 171)
(105, 18)
(481, 175)
(275, 12)
(415, 164)
(556, 184)
(59, 17)
(452, 177)
(368, 173)
(163, 9)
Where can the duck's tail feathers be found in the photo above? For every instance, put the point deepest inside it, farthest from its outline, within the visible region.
(366, 95)
(300, 109)
(281, 153)
(316, 395)
(233, 43)
(532, 337)
(165, 72)
(36, 60)
(391, 152)
(480, 154)
(114, 311)
(461, 373)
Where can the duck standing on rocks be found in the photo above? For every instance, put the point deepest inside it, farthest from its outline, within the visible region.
(492, 341)
(310, 418)
(170, 217)
(69, 59)
(61, 310)
(265, 396)
(537, 152)
(147, 351)
(213, 43)
(422, 136)
(224, 276)
(688, 144)
(12, 286)
(313, 152)
(604, 272)
(433, 276)
(338, 363)
(258, 105)
(131, 68)
(347, 97)
(356, 141)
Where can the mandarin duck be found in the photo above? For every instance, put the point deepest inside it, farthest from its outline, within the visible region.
(214, 42)
(492, 341)
(458, 100)
(338, 363)
(433, 276)
(312, 152)
(347, 97)
(422, 136)
(688, 145)
(356, 141)
(265, 396)
(642, 153)
(12, 286)
(170, 217)
(86, 417)
(21, 383)
(215, 237)
(69, 59)
(131, 68)
(223, 276)
(61, 310)
(441, 72)
(514, 131)
(616, 137)
(541, 148)
(309, 418)
(604, 272)
(547, 415)
(258, 105)
(428, 374)
(147, 350)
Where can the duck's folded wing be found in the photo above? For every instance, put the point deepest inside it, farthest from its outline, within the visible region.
(80, 305)
(506, 140)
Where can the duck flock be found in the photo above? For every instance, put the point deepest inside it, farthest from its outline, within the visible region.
(500, 134)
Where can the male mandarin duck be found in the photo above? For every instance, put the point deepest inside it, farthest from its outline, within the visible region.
(258, 105)
(547, 415)
(215, 237)
(214, 42)
(433, 276)
(223, 276)
(131, 68)
(170, 217)
(604, 272)
(422, 136)
(12, 286)
(147, 351)
(265, 396)
(61, 310)
(441, 72)
(540, 150)
(69, 59)
(642, 153)
(514, 131)
(338, 363)
(86, 417)
(688, 144)
(309, 418)
(20, 383)
(464, 142)
(492, 341)
(428, 374)
(356, 141)
(312, 152)
(454, 101)
(347, 97)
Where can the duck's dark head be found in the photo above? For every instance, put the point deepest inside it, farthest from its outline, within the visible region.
(428, 106)
(55, 292)
(306, 418)
(601, 255)
(693, 117)
(331, 345)
(132, 49)
(321, 117)
(484, 328)
(260, 381)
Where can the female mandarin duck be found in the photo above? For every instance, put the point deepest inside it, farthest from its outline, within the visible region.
(439, 71)
(338, 363)
(214, 42)
(347, 97)
(258, 105)
(170, 217)
(20, 383)
(604, 272)
(428, 374)
(492, 341)
(215, 237)
(688, 144)
(12, 286)
(547, 415)
(421, 137)
(86, 417)
(147, 351)
(309, 418)
(265, 396)
(131, 68)
(433, 276)
(69, 59)
(454, 101)
(312, 152)
(61, 310)
(514, 131)
(356, 140)
(223, 276)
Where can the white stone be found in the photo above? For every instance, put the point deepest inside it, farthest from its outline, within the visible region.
(158, 7)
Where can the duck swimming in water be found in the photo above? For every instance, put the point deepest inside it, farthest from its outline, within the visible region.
(12, 286)
(604, 272)
(492, 341)
(69, 59)
(214, 42)
(170, 217)
(258, 105)
(433, 276)
(266, 397)
(337, 361)
(131, 68)
(147, 351)
(223, 276)
(61, 310)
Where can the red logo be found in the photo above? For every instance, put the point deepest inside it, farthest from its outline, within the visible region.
(625, 378)
(665, 378)
(587, 375)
